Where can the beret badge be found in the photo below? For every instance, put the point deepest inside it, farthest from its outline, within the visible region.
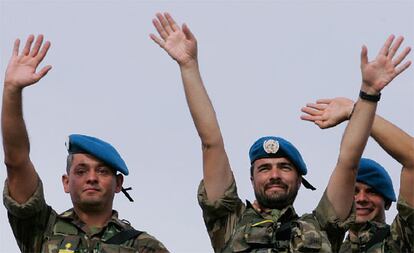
(271, 146)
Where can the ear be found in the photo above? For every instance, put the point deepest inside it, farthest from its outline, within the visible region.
(65, 182)
(299, 182)
(252, 173)
(119, 181)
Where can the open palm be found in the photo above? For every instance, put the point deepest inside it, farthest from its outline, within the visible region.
(179, 43)
(381, 71)
(21, 71)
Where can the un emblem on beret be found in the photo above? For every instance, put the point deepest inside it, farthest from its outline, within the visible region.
(271, 146)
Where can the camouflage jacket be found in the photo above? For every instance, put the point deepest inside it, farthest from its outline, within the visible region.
(39, 229)
(237, 227)
(375, 237)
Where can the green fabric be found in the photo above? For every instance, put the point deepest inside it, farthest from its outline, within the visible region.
(237, 227)
(38, 228)
(400, 239)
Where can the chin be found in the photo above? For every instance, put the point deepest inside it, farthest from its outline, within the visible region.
(360, 221)
(364, 219)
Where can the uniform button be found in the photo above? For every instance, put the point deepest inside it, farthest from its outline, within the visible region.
(270, 230)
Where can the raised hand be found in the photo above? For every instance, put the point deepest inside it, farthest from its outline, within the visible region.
(179, 43)
(385, 67)
(328, 113)
(21, 71)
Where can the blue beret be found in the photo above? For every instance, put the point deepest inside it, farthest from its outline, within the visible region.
(374, 175)
(100, 149)
(272, 146)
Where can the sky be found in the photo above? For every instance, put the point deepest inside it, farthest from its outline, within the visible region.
(261, 61)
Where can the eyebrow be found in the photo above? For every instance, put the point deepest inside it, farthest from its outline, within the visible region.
(100, 164)
(277, 164)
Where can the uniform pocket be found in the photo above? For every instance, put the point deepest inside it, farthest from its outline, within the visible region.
(237, 242)
(52, 244)
(253, 238)
(307, 238)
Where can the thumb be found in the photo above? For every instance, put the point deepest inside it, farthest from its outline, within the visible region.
(188, 34)
(364, 55)
(42, 72)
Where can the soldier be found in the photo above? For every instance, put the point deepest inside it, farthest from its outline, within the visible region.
(270, 224)
(374, 192)
(92, 179)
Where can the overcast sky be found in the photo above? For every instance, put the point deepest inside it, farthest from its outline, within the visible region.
(261, 62)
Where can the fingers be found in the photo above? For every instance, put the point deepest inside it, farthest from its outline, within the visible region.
(401, 56)
(160, 29)
(385, 48)
(157, 40)
(37, 45)
(395, 46)
(29, 42)
(402, 68)
(318, 106)
(171, 22)
(166, 26)
(43, 51)
(312, 118)
(364, 55)
(311, 111)
(34, 52)
(324, 101)
(16, 47)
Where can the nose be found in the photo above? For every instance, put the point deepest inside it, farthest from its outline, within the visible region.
(92, 177)
(361, 197)
(274, 173)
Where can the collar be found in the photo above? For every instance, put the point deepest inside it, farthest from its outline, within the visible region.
(71, 216)
(363, 233)
(276, 215)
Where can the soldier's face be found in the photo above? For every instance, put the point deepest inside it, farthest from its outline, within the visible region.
(275, 182)
(369, 204)
(91, 184)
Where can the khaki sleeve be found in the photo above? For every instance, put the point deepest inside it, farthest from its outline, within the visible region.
(28, 220)
(402, 228)
(149, 244)
(31, 207)
(330, 222)
(221, 216)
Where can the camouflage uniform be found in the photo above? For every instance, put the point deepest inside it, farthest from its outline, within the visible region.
(38, 228)
(236, 227)
(399, 237)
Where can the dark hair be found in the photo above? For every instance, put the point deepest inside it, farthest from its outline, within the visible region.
(69, 161)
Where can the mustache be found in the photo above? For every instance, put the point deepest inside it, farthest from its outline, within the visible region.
(276, 182)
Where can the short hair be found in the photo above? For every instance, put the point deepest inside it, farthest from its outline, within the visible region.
(69, 161)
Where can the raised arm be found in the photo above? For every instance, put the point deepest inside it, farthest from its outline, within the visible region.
(181, 45)
(327, 113)
(20, 73)
(400, 146)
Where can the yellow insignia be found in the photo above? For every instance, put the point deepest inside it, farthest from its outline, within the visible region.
(67, 249)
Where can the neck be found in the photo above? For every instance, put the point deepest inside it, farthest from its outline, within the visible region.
(261, 209)
(95, 218)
